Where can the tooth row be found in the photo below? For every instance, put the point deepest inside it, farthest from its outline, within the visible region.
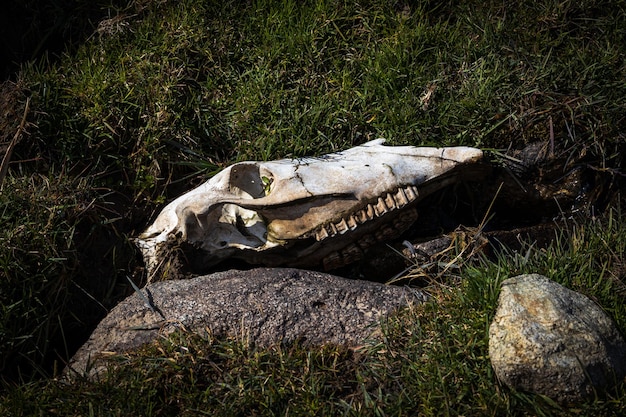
(384, 204)
(355, 251)
(345, 256)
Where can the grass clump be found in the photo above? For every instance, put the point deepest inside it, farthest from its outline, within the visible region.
(36, 249)
(45, 270)
(162, 94)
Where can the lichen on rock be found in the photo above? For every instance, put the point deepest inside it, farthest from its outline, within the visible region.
(553, 341)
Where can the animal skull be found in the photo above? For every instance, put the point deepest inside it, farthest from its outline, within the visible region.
(307, 211)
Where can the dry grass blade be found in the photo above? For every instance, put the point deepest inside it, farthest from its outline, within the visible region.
(453, 251)
(4, 166)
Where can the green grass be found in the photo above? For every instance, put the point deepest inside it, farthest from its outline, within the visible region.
(169, 92)
(432, 360)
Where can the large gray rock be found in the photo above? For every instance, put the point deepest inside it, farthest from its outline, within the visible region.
(266, 306)
(553, 341)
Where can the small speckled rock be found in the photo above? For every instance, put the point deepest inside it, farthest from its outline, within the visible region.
(553, 341)
(266, 305)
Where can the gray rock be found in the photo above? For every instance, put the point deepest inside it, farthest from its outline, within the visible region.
(553, 341)
(265, 306)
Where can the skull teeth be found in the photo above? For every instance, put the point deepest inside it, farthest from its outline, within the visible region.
(347, 255)
(367, 213)
(411, 193)
(405, 196)
(342, 226)
(386, 203)
(381, 207)
(353, 222)
(355, 251)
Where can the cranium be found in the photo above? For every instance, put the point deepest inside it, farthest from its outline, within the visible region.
(306, 212)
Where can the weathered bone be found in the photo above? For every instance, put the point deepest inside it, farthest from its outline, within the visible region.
(302, 212)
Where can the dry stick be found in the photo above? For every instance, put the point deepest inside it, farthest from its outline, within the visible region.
(551, 137)
(4, 166)
(481, 226)
(452, 262)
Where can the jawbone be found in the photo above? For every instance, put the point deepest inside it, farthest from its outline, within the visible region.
(306, 212)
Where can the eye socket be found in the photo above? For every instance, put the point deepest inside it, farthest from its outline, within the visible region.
(247, 178)
(222, 243)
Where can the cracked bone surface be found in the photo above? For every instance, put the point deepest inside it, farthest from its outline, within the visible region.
(305, 212)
